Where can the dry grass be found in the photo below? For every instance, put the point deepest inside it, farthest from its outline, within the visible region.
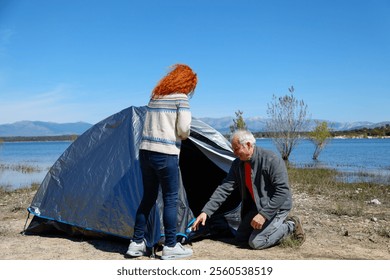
(325, 182)
(345, 199)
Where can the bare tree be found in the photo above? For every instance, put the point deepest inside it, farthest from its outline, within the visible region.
(238, 122)
(287, 119)
(320, 137)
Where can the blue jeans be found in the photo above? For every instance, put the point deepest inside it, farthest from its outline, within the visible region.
(272, 232)
(158, 169)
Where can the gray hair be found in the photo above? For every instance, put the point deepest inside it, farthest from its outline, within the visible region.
(244, 136)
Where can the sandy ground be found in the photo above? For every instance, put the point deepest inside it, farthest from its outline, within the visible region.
(329, 236)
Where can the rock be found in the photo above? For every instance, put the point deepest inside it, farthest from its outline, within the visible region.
(374, 201)
(372, 239)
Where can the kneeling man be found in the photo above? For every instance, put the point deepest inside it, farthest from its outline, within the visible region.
(266, 197)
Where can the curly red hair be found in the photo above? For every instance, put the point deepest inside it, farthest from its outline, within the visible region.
(181, 79)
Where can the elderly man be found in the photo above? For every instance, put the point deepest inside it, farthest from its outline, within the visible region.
(266, 197)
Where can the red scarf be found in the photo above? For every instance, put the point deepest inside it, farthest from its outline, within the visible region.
(248, 178)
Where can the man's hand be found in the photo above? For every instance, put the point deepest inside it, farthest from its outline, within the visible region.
(258, 221)
(200, 219)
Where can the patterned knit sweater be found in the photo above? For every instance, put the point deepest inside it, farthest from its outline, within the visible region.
(167, 122)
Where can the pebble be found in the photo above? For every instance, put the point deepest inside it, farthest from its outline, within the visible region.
(375, 201)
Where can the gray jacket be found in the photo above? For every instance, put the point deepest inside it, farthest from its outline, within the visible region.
(270, 184)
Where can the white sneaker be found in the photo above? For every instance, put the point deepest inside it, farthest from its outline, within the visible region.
(177, 252)
(137, 249)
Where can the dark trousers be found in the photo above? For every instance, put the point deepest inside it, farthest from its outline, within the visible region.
(158, 169)
(271, 233)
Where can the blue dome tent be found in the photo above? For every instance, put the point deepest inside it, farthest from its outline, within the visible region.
(95, 186)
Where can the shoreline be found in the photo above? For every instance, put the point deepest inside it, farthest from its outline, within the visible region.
(358, 176)
(72, 138)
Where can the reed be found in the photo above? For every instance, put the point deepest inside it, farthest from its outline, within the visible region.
(326, 182)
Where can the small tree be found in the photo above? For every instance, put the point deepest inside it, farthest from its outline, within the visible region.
(287, 119)
(320, 137)
(238, 122)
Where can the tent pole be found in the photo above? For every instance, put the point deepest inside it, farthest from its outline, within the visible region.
(25, 224)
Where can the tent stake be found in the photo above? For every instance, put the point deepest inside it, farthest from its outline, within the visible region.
(25, 224)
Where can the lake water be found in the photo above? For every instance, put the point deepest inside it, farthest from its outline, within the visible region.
(352, 156)
(38, 155)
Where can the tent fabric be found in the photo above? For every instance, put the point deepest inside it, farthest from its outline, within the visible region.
(95, 186)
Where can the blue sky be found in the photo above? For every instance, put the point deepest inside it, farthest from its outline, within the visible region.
(75, 60)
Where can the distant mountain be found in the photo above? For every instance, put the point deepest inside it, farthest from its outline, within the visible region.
(255, 124)
(37, 128)
(258, 124)
(344, 126)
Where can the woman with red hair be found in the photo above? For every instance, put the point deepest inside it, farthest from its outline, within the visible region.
(167, 122)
